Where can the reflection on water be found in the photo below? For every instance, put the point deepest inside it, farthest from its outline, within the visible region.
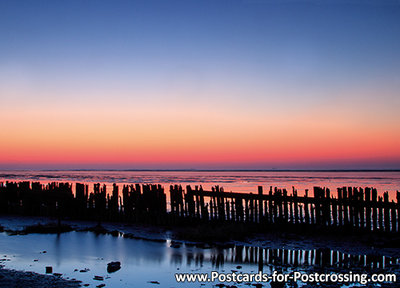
(144, 261)
(298, 258)
(238, 181)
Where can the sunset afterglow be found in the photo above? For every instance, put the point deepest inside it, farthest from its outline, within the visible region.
(204, 85)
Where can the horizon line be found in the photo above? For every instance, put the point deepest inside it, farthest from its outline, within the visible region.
(210, 170)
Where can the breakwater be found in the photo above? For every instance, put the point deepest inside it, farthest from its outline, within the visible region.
(353, 209)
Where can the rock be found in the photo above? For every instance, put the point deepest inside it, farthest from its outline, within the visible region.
(49, 269)
(277, 284)
(113, 266)
(4, 259)
(114, 233)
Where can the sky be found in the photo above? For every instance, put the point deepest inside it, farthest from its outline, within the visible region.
(250, 84)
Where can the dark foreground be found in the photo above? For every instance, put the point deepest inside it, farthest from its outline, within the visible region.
(21, 279)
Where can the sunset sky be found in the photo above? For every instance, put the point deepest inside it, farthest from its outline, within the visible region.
(251, 84)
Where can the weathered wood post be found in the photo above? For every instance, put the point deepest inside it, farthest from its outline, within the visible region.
(285, 206)
(270, 206)
(398, 210)
(380, 209)
(296, 206)
(345, 207)
(386, 211)
(260, 204)
(306, 203)
(374, 211)
(361, 201)
(351, 206)
(368, 208)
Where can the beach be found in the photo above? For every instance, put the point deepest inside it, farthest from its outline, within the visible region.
(151, 254)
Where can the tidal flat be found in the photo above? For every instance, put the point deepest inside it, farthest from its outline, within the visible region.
(151, 256)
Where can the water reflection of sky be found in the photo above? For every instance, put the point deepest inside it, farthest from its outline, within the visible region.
(238, 181)
(144, 261)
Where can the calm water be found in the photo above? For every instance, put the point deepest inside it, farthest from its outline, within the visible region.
(144, 261)
(237, 181)
(141, 261)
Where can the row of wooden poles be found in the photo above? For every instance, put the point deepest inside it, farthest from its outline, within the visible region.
(353, 208)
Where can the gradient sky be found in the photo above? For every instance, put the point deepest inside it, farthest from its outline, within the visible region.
(257, 84)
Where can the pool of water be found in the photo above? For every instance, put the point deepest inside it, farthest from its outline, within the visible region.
(141, 261)
(145, 261)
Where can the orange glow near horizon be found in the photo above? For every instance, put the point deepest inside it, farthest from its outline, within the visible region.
(110, 135)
